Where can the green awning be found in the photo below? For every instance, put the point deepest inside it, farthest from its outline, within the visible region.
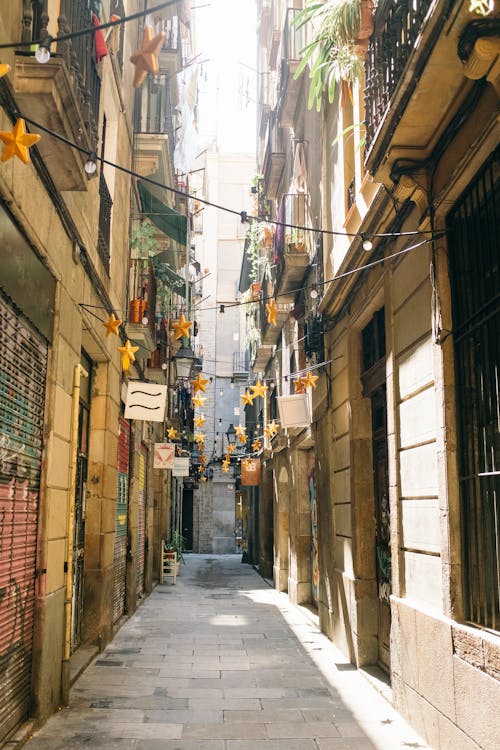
(168, 220)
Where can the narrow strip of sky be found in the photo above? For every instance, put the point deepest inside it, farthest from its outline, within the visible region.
(226, 37)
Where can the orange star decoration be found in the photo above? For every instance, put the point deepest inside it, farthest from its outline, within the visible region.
(203, 478)
(227, 458)
(247, 398)
(18, 141)
(242, 439)
(146, 58)
(310, 380)
(112, 325)
(199, 400)
(271, 311)
(300, 386)
(172, 433)
(4, 69)
(256, 445)
(259, 389)
(225, 468)
(203, 459)
(199, 384)
(240, 430)
(128, 354)
(181, 327)
(247, 462)
(199, 421)
(199, 438)
(231, 448)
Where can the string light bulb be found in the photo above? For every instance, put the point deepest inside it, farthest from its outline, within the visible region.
(90, 165)
(42, 53)
(314, 292)
(367, 243)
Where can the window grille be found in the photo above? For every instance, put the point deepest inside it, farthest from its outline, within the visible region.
(474, 239)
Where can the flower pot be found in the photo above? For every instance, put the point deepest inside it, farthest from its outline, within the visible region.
(366, 25)
(134, 311)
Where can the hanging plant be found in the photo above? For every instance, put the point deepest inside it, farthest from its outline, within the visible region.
(142, 241)
(336, 51)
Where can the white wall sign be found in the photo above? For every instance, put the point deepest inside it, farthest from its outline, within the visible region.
(294, 410)
(180, 467)
(164, 456)
(145, 401)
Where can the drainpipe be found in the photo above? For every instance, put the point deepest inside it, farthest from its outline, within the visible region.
(68, 599)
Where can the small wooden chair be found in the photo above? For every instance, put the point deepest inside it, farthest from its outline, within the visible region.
(168, 564)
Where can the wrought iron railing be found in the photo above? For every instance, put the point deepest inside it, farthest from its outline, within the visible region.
(397, 26)
(80, 57)
(153, 107)
(241, 363)
(104, 228)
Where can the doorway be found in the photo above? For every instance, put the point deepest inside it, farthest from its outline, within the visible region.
(374, 388)
(187, 519)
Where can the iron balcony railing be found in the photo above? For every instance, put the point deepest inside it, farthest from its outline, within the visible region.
(153, 107)
(78, 53)
(104, 228)
(397, 26)
(241, 363)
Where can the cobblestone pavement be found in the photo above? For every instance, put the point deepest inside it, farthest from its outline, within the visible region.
(221, 661)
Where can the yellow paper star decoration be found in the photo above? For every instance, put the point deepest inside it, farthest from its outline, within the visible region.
(256, 445)
(227, 458)
(259, 389)
(199, 438)
(225, 468)
(203, 459)
(112, 325)
(199, 421)
(300, 386)
(4, 69)
(242, 439)
(181, 327)
(240, 430)
(145, 59)
(271, 311)
(271, 429)
(203, 478)
(18, 141)
(231, 448)
(172, 433)
(199, 384)
(199, 400)
(247, 462)
(247, 398)
(128, 354)
(310, 380)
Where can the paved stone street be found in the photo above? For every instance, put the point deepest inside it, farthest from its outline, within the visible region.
(221, 661)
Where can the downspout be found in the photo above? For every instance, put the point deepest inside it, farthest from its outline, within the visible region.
(68, 598)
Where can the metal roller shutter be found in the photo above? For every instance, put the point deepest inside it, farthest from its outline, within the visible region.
(141, 528)
(120, 556)
(23, 367)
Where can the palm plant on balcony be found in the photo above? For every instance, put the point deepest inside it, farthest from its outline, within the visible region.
(337, 48)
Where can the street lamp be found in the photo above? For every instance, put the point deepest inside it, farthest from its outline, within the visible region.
(184, 360)
(231, 435)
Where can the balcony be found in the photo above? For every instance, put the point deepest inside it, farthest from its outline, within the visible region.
(63, 94)
(274, 159)
(154, 129)
(140, 326)
(241, 366)
(289, 90)
(414, 45)
(292, 245)
(170, 56)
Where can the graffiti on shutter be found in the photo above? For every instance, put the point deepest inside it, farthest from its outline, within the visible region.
(141, 527)
(23, 367)
(120, 554)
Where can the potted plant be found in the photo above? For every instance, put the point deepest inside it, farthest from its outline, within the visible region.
(176, 544)
(338, 45)
(295, 241)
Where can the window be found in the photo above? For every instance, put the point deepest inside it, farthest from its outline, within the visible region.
(474, 238)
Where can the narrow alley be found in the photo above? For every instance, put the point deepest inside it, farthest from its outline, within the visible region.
(222, 661)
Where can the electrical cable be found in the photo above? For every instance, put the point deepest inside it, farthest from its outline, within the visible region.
(92, 29)
(234, 212)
